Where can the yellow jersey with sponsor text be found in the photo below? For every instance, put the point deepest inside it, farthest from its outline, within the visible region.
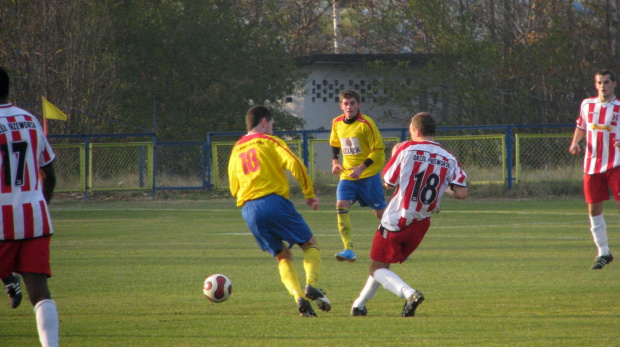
(358, 141)
(256, 169)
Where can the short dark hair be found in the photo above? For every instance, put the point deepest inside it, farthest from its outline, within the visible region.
(425, 122)
(4, 85)
(349, 93)
(603, 72)
(255, 115)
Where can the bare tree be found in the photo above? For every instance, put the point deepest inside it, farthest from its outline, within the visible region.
(61, 50)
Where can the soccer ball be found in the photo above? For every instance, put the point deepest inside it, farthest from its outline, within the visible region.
(217, 288)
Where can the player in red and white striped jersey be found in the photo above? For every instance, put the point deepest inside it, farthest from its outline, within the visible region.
(421, 171)
(27, 182)
(23, 209)
(598, 123)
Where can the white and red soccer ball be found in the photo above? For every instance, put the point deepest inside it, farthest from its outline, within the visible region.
(217, 288)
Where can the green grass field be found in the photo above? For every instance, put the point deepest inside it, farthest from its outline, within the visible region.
(494, 273)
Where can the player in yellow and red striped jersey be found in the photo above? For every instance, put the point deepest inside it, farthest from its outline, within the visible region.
(363, 156)
(258, 181)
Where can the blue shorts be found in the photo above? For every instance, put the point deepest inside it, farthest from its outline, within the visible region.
(368, 191)
(274, 219)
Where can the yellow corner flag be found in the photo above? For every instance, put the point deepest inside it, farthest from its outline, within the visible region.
(52, 112)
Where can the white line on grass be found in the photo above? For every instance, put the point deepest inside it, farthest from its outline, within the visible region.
(431, 235)
(320, 211)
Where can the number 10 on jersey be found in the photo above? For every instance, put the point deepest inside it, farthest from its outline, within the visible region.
(249, 160)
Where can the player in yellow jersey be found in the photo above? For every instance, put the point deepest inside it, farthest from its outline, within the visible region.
(363, 156)
(258, 181)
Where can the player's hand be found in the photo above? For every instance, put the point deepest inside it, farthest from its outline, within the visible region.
(356, 172)
(313, 203)
(575, 149)
(336, 168)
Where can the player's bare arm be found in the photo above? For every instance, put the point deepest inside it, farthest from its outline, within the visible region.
(459, 192)
(577, 137)
(48, 177)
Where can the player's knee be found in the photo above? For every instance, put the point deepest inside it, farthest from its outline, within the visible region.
(285, 253)
(595, 209)
(310, 243)
(375, 265)
(343, 204)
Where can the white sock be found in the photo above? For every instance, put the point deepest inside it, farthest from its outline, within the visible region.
(367, 293)
(47, 322)
(390, 281)
(599, 234)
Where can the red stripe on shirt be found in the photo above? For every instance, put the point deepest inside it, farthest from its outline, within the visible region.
(591, 112)
(442, 177)
(602, 115)
(374, 136)
(588, 160)
(28, 220)
(4, 176)
(410, 186)
(429, 170)
(34, 141)
(46, 223)
(599, 149)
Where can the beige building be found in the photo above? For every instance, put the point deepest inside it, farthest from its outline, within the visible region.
(328, 74)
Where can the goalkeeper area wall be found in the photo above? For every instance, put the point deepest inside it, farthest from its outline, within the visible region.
(501, 155)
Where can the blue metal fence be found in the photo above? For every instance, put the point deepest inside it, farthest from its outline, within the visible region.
(189, 165)
(507, 130)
